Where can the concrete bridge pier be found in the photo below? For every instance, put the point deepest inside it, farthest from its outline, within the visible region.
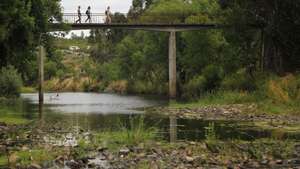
(41, 56)
(172, 65)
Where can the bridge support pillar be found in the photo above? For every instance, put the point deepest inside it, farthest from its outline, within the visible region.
(41, 56)
(172, 65)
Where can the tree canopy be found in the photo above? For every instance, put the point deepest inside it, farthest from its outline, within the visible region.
(262, 36)
(22, 22)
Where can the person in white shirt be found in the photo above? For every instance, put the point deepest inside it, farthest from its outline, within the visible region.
(108, 16)
(79, 15)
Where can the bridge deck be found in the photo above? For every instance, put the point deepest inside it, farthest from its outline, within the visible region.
(155, 26)
(153, 22)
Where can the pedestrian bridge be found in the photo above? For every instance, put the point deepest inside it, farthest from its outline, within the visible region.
(152, 22)
(170, 23)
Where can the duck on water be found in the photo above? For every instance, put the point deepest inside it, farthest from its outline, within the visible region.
(56, 97)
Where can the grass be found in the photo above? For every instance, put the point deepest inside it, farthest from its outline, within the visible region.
(66, 43)
(28, 90)
(36, 155)
(270, 107)
(264, 105)
(267, 125)
(218, 98)
(14, 120)
(143, 165)
(3, 160)
(114, 140)
(26, 157)
(11, 115)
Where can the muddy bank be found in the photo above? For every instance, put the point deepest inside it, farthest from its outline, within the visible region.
(54, 147)
(236, 112)
(185, 155)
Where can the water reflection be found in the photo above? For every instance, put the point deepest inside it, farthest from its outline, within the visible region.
(173, 129)
(93, 103)
(41, 114)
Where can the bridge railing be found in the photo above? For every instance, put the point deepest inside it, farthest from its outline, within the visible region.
(122, 18)
(73, 17)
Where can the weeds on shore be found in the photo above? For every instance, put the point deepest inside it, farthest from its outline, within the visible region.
(136, 132)
(276, 95)
(11, 112)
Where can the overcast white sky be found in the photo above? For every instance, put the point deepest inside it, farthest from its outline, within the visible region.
(98, 6)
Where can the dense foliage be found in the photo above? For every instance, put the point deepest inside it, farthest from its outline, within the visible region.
(229, 59)
(22, 23)
(10, 82)
(263, 37)
(279, 21)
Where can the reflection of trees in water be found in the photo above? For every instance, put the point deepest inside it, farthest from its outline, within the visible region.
(41, 114)
(173, 129)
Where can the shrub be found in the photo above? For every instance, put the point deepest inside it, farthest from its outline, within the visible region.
(238, 81)
(10, 82)
(50, 70)
(86, 86)
(194, 88)
(298, 85)
(119, 86)
(213, 75)
(229, 97)
(209, 80)
(109, 72)
(61, 74)
(284, 89)
(141, 87)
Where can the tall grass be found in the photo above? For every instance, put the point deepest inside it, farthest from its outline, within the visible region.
(132, 134)
(220, 98)
(11, 112)
(272, 95)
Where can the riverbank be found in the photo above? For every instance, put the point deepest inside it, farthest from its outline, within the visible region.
(35, 147)
(237, 112)
(270, 105)
(58, 142)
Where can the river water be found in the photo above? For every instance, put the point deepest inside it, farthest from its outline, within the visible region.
(99, 112)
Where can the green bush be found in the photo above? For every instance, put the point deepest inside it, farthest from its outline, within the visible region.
(140, 87)
(207, 82)
(10, 82)
(60, 74)
(213, 75)
(239, 81)
(50, 70)
(283, 89)
(109, 71)
(298, 82)
(87, 86)
(194, 88)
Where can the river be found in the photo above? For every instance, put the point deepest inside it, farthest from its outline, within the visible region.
(99, 112)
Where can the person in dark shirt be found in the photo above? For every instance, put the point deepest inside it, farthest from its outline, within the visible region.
(88, 14)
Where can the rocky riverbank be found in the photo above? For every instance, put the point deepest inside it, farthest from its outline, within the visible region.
(31, 147)
(188, 155)
(236, 112)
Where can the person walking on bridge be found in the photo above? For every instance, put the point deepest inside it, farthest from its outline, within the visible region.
(108, 16)
(88, 14)
(79, 15)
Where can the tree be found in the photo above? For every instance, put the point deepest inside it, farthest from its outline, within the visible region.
(22, 22)
(279, 21)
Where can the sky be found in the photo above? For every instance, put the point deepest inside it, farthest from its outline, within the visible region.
(97, 6)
